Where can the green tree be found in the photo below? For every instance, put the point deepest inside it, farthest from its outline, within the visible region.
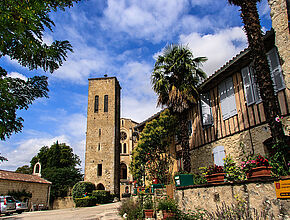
(24, 169)
(175, 77)
(22, 24)
(58, 165)
(251, 20)
(151, 157)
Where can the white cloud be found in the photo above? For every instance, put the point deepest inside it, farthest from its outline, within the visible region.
(24, 150)
(151, 19)
(218, 48)
(17, 75)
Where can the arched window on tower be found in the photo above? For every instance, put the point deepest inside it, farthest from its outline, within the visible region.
(106, 103)
(123, 171)
(96, 103)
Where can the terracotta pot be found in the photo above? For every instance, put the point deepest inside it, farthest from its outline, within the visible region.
(148, 213)
(215, 178)
(259, 172)
(167, 214)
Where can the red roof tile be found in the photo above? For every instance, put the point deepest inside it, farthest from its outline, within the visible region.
(9, 175)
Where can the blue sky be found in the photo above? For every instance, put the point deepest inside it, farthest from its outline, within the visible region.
(120, 38)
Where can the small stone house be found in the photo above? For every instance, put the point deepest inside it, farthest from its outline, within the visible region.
(34, 184)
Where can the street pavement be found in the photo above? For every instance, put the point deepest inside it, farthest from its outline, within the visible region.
(101, 212)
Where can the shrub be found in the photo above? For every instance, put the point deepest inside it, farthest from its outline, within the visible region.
(148, 204)
(102, 196)
(167, 204)
(85, 201)
(198, 179)
(130, 209)
(81, 188)
(232, 171)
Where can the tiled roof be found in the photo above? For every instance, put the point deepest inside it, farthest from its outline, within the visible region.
(149, 119)
(9, 175)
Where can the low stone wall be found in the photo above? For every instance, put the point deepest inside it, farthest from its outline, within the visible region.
(63, 203)
(260, 195)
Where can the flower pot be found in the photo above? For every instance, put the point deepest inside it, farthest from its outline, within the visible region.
(215, 178)
(167, 214)
(148, 213)
(259, 172)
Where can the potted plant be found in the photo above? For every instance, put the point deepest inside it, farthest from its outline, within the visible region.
(148, 208)
(233, 172)
(168, 207)
(256, 167)
(214, 174)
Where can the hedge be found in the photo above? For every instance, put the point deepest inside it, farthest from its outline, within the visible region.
(102, 196)
(85, 201)
(81, 188)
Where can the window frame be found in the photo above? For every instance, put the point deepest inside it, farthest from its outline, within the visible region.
(204, 107)
(96, 105)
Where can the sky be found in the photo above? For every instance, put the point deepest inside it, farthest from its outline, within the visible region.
(120, 38)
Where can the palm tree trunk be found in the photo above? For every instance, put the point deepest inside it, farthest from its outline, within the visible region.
(184, 141)
(252, 26)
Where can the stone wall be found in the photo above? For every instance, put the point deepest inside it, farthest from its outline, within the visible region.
(63, 203)
(280, 25)
(258, 195)
(238, 146)
(40, 192)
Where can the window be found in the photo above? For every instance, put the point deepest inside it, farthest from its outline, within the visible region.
(96, 103)
(100, 132)
(99, 147)
(218, 155)
(123, 171)
(227, 98)
(206, 111)
(276, 71)
(251, 88)
(122, 123)
(106, 103)
(189, 127)
(99, 170)
(123, 136)
(124, 148)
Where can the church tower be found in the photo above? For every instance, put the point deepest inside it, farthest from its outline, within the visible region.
(102, 158)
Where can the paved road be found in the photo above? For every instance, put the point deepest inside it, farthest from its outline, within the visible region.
(101, 212)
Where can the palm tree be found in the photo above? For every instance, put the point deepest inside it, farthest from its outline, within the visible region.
(174, 78)
(251, 20)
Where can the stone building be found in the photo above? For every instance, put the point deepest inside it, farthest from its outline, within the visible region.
(128, 140)
(102, 158)
(34, 184)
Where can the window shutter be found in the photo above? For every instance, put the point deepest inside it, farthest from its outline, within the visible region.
(206, 109)
(219, 155)
(231, 99)
(223, 97)
(276, 71)
(255, 86)
(189, 128)
(248, 85)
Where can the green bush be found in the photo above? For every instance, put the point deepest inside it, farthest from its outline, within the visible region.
(81, 188)
(85, 201)
(102, 196)
(167, 204)
(130, 209)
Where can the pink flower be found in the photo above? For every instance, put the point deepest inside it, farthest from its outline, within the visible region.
(277, 118)
(243, 162)
(248, 162)
(253, 161)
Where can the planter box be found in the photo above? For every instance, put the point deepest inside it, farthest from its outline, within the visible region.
(167, 214)
(183, 180)
(215, 178)
(148, 213)
(259, 172)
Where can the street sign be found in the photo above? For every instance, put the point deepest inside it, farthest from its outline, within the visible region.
(282, 188)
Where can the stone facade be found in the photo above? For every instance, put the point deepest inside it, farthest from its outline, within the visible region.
(102, 158)
(238, 146)
(128, 140)
(40, 191)
(258, 195)
(282, 41)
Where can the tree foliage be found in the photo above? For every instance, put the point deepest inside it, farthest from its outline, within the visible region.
(24, 169)
(58, 165)
(175, 78)
(151, 156)
(22, 24)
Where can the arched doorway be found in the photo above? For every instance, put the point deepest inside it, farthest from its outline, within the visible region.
(123, 171)
(100, 186)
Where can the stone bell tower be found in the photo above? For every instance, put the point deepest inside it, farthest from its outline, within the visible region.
(102, 158)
